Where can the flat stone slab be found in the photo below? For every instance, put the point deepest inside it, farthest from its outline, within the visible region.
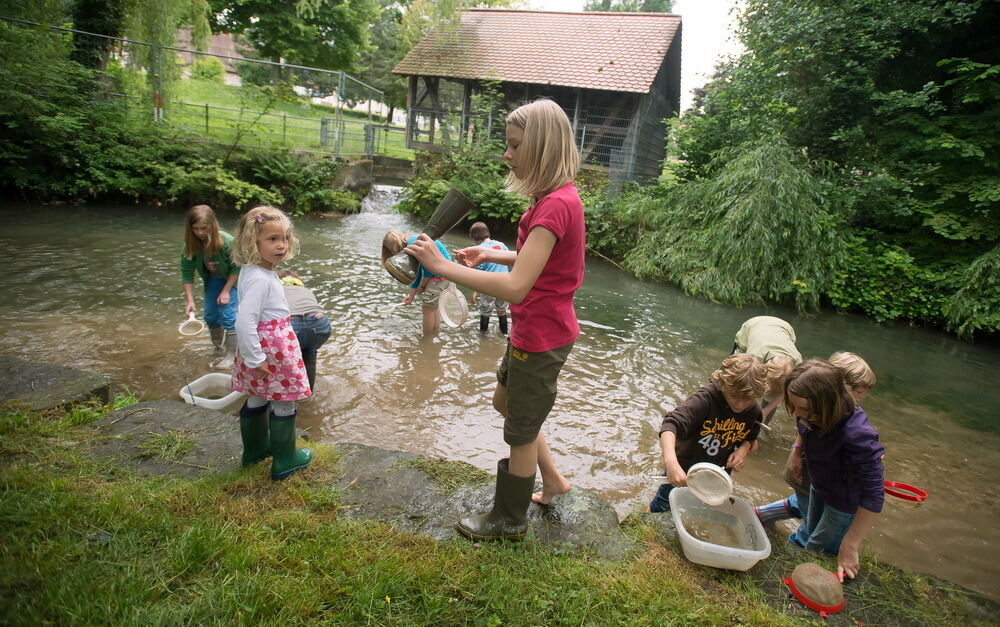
(404, 489)
(170, 438)
(41, 387)
(395, 486)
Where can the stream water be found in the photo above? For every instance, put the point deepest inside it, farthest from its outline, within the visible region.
(99, 288)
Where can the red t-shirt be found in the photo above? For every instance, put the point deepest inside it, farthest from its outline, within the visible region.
(546, 319)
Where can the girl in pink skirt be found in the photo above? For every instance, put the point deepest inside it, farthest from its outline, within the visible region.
(268, 363)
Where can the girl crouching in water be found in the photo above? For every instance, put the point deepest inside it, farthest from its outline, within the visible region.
(268, 363)
(844, 459)
(546, 270)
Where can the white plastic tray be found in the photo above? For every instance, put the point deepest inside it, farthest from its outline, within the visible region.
(211, 382)
(736, 514)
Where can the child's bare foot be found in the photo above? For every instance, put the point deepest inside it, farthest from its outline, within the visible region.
(550, 490)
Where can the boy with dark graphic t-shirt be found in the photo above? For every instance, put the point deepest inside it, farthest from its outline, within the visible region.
(716, 424)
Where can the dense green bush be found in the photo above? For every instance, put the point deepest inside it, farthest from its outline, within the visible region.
(884, 282)
(304, 181)
(614, 226)
(759, 231)
(476, 171)
(208, 69)
(976, 304)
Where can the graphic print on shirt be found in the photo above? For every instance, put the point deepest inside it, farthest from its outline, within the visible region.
(721, 433)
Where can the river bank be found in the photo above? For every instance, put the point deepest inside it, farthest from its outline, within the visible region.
(113, 305)
(139, 513)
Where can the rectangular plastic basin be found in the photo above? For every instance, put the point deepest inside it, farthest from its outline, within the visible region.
(211, 391)
(730, 535)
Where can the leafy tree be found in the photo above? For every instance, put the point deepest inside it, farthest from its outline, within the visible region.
(328, 34)
(902, 99)
(384, 53)
(103, 17)
(976, 304)
(630, 6)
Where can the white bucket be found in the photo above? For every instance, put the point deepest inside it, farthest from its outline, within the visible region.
(735, 517)
(211, 391)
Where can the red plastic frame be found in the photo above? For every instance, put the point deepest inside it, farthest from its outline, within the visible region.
(905, 492)
(823, 610)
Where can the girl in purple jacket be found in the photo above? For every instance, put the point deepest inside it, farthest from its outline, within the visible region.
(841, 451)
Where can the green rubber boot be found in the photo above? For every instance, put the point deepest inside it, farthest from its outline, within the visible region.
(286, 458)
(254, 433)
(508, 519)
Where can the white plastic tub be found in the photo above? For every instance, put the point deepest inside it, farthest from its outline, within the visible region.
(746, 543)
(211, 391)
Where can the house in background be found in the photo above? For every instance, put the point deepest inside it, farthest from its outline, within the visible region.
(617, 76)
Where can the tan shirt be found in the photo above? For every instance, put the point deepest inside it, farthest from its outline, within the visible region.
(301, 300)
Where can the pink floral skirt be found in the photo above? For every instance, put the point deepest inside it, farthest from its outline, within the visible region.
(283, 357)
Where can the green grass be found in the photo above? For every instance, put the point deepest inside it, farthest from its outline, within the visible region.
(259, 121)
(84, 540)
(170, 446)
(449, 475)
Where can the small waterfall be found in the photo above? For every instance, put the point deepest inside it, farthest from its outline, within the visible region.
(381, 199)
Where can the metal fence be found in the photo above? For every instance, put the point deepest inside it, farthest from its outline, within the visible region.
(254, 103)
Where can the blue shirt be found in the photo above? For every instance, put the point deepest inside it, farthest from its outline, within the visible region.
(422, 272)
(489, 266)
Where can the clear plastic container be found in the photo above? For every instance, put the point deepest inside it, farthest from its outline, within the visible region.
(722, 536)
(211, 391)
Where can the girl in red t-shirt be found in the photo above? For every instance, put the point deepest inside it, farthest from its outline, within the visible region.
(546, 270)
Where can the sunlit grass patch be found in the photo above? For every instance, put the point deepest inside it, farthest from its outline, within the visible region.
(169, 446)
(447, 475)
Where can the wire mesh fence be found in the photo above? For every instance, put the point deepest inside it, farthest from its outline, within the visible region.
(232, 99)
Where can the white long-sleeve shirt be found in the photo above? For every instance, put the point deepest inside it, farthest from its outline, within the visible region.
(262, 298)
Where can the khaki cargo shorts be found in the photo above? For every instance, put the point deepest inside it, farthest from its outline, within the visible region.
(530, 379)
(429, 297)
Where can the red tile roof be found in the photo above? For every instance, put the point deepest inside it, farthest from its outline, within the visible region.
(593, 50)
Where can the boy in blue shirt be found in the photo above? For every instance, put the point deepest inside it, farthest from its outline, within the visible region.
(480, 233)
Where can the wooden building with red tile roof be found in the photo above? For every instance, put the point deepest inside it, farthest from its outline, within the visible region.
(617, 76)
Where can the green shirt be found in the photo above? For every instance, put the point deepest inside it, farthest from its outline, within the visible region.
(224, 264)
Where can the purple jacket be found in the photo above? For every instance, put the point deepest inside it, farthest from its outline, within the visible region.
(845, 463)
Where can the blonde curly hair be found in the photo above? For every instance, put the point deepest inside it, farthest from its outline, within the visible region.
(245, 251)
(742, 375)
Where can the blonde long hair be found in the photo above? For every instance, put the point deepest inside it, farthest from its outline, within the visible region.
(245, 250)
(193, 245)
(548, 154)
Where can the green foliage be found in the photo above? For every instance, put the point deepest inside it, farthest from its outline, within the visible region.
(210, 183)
(62, 140)
(329, 34)
(902, 101)
(629, 6)
(476, 171)
(976, 304)
(208, 69)
(883, 281)
(760, 231)
(615, 226)
(305, 182)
